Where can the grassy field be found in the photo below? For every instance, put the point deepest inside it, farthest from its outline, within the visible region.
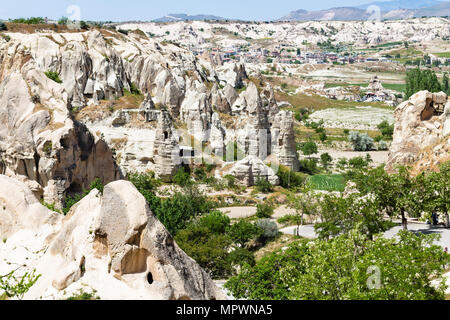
(328, 182)
(442, 54)
(401, 87)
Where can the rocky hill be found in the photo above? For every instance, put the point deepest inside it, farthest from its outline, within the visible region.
(172, 17)
(390, 10)
(197, 34)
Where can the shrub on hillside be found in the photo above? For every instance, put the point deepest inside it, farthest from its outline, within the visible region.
(269, 230)
(361, 141)
(290, 179)
(53, 76)
(263, 185)
(264, 210)
(182, 177)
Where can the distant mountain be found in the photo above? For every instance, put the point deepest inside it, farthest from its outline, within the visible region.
(401, 4)
(397, 9)
(185, 17)
(343, 13)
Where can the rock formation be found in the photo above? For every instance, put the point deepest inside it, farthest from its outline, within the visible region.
(166, 148)
(250, 169)
(283, 135)
(421, 123)
(111, 243)
(39, 141)
(94, 66)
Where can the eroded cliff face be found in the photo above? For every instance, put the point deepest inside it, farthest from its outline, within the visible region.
(111, 243)
(39, 141)
(421, 135)
(58, 155)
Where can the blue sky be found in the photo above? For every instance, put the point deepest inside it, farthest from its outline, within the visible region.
(120, 10)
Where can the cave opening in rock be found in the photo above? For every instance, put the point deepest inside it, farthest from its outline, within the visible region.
(75, 187)
(166, 135)
(150, 278)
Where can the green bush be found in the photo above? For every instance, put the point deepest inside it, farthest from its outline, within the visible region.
(216, 222)
(387, 130)
(200, 174)
(3, 27)
(263, 185)
(53, 76)
(269, 230)
(290, 179)
(231, 181)
(32, 20)
(209, 250)
(175, 212)
(383, 146)
(309, 166)
(63, 21)
(242, 257)
(182, 178)
(243, 232)
(264, 210)
(361, 142)
(358, 163)
(309, 148)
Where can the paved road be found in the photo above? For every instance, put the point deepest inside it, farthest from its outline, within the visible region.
(426, 229)
(238, 212)
(304, 231)
(308, 232)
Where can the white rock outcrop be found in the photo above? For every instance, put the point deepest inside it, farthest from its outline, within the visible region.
(250, 169)
(420, 123)
(111, 243)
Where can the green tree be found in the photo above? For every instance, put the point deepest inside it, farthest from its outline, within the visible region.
(445, 84)
(303, 203)
(264, 210)
(208, 249)
(326, 160)
(343, 269)
(436, 191)
(175, 212)
(398, 194)
(309, 149)
(418, 80)
(340, 215)
(243, 232)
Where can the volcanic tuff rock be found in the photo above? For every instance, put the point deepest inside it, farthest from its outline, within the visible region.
(166, 148)
(109, 242)
(421, 123)
(38, 139)
(250, 169)
(95, 66)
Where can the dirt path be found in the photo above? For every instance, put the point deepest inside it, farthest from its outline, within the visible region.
(378, 157)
